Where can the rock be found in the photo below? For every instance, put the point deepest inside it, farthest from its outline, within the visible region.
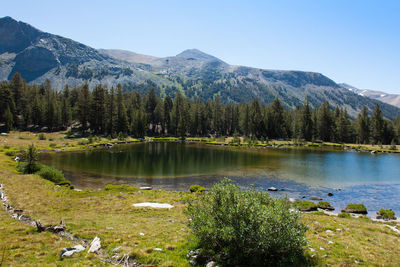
(211, 264)
(272, 189)
(4, 134)
(17, 159)
(153, 205)
(330, 194)
(373, 152)
(292, 200)
(141, 234)
(329, 231)
(109, 145)
(312, 250)
(79, 248)
(315, 198)
(330, 242)
(95, 245)
(282, 189)
(145, 188)
(68, 252)
(158, 249)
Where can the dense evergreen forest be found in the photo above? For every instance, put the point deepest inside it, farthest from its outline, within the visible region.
(112, 112)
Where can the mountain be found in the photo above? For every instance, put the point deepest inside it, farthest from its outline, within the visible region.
(392, 99)
(39, 56)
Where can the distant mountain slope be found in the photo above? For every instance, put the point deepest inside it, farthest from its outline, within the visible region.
(39, 56)
(392, 99)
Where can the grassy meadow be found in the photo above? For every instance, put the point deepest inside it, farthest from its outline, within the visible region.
(158, 237)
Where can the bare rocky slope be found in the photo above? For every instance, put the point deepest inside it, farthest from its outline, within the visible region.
(39, 56)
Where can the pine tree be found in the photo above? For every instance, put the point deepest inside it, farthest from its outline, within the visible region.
(256, 119)
(324, 122)
(168, 104)
(245, 119)
(306, 123)
(276, 121)
(97, 110)
(83, 110)
(8, 119)
(377, 125)
(122, 117)
(111, 113)
(151, 104)
(17, 86)
(363, 126)
(343, 125)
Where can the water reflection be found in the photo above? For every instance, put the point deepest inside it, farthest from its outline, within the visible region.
(175, 166)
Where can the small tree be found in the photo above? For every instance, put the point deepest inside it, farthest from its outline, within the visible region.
(32, 165)
(239, 227)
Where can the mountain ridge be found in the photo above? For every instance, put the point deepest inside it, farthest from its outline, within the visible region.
(39, 56)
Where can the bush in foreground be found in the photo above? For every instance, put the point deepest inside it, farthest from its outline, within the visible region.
(239, 227)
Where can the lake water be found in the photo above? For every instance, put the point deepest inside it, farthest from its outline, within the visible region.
(352, 177)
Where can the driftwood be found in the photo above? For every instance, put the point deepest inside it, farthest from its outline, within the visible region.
(51, 228)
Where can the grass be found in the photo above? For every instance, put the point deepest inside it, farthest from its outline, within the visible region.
(110, 215)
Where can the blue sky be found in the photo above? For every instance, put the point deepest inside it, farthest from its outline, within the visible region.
(352, 41)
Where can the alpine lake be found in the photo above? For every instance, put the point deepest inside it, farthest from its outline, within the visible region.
(352, 177)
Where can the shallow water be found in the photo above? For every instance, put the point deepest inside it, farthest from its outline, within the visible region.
(363, 178)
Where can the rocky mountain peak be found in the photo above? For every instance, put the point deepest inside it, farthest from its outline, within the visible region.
(16, 35)
(195, 54)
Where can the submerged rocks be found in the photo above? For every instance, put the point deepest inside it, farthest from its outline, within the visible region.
(272, 189)
(330, 194)
(315, 198)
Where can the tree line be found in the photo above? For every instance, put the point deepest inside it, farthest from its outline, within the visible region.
(110, 111)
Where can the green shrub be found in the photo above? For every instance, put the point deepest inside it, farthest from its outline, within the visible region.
(6, 146)
(344, 215)
(324, 204)
(53, 145)
(197, 188)
(239, 227)
(52, 174)
(387, 214)
(359, 207)
(305, 205)
(120, 187)
(41, 136)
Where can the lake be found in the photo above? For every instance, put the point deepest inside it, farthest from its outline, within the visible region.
(352, 177)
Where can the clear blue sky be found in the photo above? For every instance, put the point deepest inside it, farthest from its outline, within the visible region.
(352, 41)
